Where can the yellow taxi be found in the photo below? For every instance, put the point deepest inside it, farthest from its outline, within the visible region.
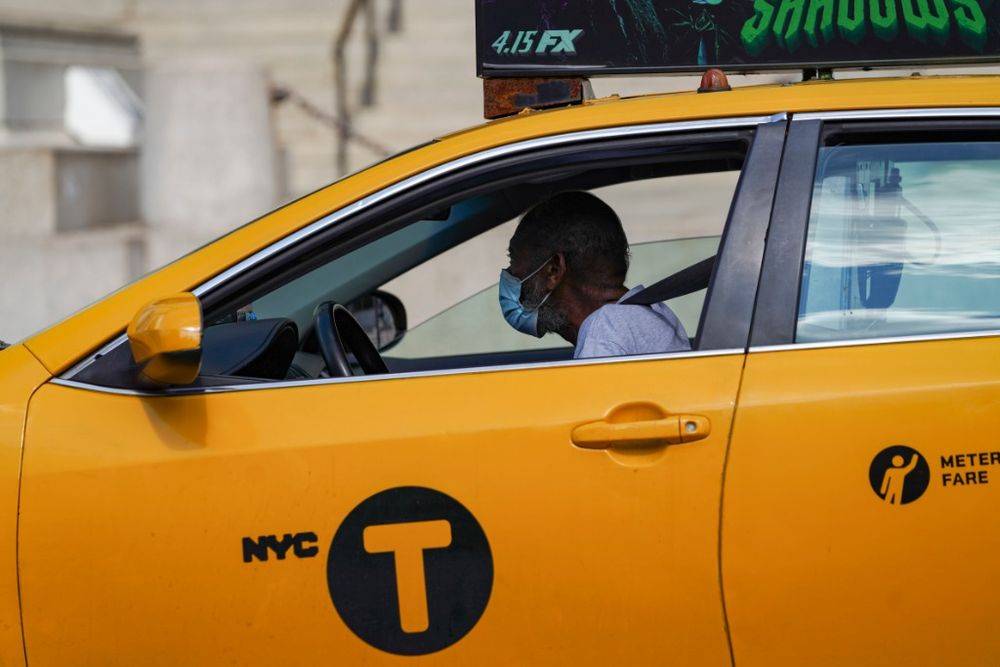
(223, 463)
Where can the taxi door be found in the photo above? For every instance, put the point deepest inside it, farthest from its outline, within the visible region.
(534, 514)
(859, 514)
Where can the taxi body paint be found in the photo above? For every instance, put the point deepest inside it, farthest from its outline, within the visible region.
(20, 375)
(152, 495)
(817, 568)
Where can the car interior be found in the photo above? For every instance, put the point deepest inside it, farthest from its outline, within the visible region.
(330, 317)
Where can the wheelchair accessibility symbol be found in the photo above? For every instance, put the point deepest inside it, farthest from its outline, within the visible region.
(899, 475)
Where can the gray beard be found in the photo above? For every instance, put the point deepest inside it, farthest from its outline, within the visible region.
(551, 319)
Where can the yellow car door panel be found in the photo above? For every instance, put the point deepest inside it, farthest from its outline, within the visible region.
(858, 517)
(135, 531)
(822, 566)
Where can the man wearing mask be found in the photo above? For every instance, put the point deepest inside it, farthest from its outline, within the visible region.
(568, 260)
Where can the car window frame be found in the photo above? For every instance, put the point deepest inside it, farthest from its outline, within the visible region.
(735, 273)
(776, 314)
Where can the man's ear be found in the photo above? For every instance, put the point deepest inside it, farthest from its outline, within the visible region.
(555, 271)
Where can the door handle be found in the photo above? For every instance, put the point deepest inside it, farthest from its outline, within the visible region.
(673, 429)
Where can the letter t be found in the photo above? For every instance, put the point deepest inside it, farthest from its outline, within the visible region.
(407, 541)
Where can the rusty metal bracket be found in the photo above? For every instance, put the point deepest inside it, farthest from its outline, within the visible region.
(506, 97)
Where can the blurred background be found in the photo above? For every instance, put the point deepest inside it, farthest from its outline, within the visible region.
(132, 131)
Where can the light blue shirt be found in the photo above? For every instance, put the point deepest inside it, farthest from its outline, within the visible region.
(617, 330)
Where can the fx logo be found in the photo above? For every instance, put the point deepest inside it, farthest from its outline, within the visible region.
(530, 41)
(410, 571)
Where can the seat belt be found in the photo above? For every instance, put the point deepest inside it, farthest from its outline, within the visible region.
(686, 281)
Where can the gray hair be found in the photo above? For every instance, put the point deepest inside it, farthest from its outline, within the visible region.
(580, 226)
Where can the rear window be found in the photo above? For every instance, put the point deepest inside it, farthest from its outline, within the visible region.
(903, 239)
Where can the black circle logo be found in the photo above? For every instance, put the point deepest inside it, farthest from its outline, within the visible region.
(410, 570)
(899, 475)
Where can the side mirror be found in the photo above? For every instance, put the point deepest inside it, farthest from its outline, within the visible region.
(165, 337)
(382, 316)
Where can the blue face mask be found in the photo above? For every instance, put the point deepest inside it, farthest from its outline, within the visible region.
(517, 316)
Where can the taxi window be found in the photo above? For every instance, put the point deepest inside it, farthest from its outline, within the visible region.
(441, 273)
(460, 315)
(422, 284)
(450, 293)
(903, 240)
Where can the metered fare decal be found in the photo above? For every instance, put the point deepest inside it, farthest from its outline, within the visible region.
(968, 468)
(899, 474)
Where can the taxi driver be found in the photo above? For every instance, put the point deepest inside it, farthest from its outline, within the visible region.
(568, 260)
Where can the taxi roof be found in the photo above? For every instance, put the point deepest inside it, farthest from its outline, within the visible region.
(61, 345)
(916, 91)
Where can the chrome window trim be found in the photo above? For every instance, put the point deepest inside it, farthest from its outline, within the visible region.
(437, 172)
(476, 370)
(883, 114)
(958, 335)
(103, 350)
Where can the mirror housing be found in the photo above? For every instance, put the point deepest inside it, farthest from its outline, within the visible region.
(165, 338)
(382, 316)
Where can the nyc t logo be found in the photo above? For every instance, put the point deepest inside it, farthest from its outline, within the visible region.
(410, 570)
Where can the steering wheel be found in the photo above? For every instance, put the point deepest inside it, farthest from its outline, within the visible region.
(339, 334)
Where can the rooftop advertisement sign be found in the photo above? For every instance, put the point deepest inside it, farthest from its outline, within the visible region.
(603, 37)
